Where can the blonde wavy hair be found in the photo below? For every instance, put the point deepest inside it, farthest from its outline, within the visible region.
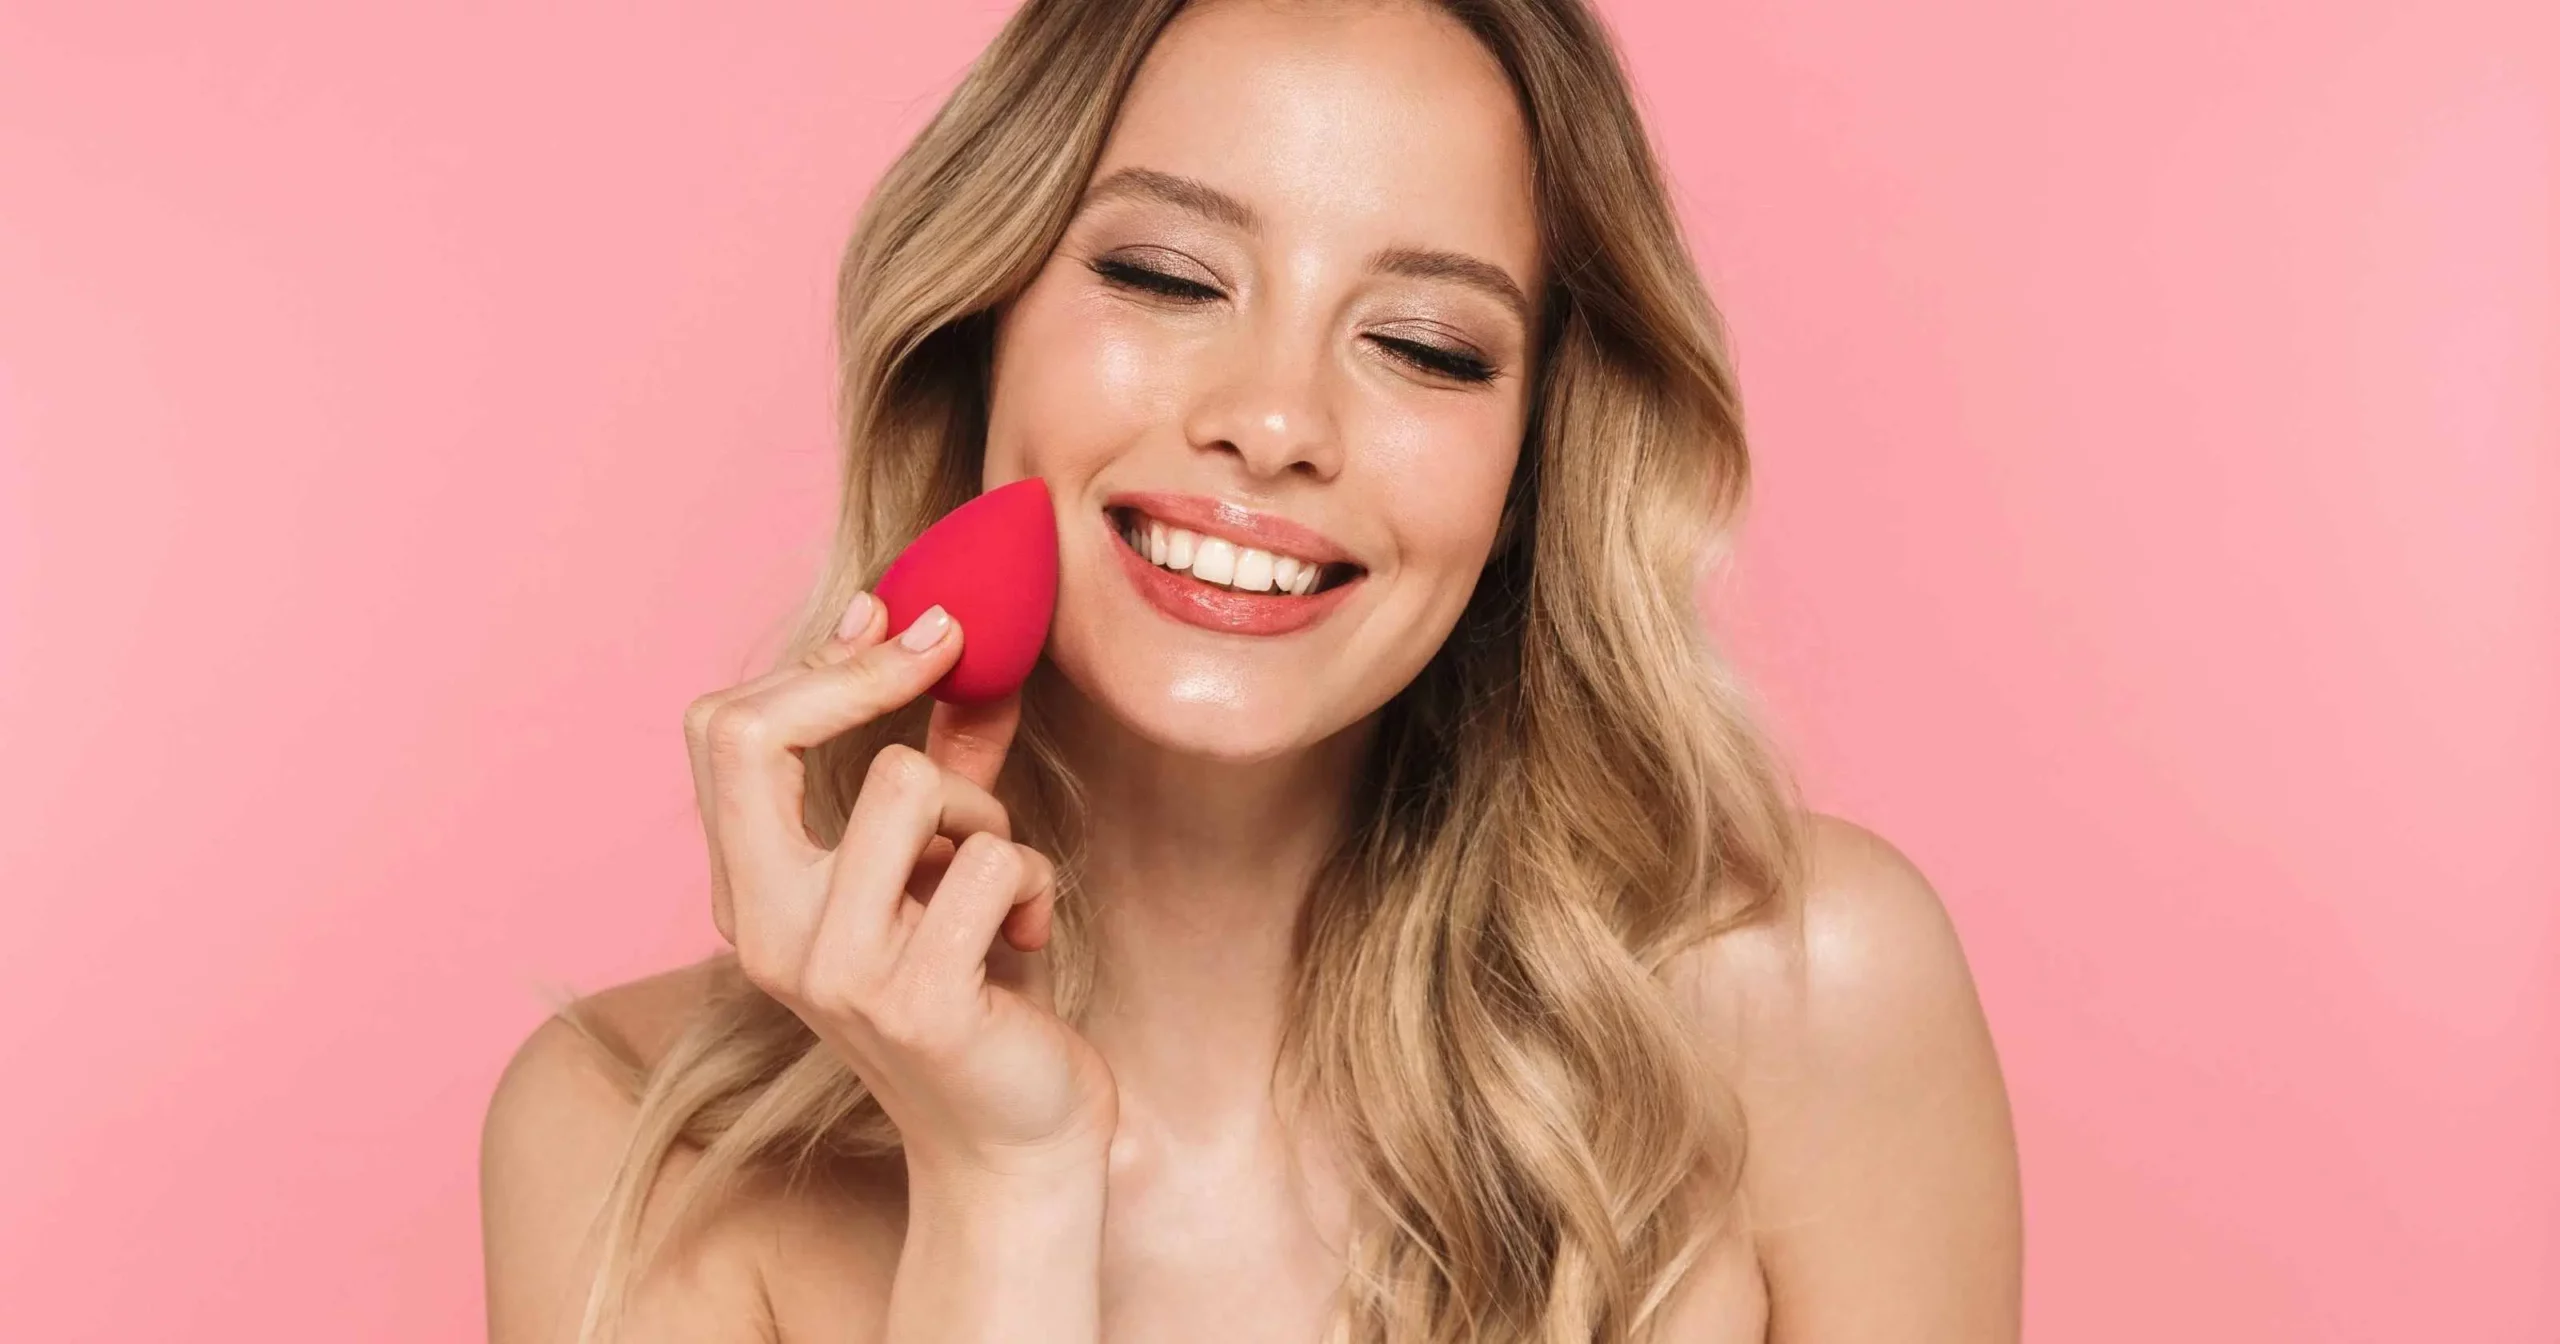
(1572, 790)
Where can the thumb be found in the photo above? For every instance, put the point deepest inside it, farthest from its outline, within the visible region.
(971, 740)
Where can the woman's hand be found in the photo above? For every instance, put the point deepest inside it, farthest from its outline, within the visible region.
(886, 945)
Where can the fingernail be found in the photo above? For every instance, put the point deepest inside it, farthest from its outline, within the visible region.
(927, 631)
(857, 615)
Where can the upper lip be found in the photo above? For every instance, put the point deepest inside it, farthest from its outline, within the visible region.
(1235, 523)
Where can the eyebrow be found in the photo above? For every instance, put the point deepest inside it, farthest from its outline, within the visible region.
(1198, 197)
(1425, 263)
(1188, 193)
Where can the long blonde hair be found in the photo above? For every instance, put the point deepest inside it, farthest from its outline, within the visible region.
(1570, 792)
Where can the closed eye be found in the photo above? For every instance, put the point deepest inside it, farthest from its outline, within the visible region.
(1447, 363)
(1126, 276)
(1433, 359)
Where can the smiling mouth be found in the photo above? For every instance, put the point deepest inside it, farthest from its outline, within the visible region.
(1223, 564)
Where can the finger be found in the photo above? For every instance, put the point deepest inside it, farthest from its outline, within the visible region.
(818, 703)
(862, 625)
(833, 933)
(989, 878)
(905, 802)
(754, 741)
(972, 739)
(1029, 974)
(1028, 926)
(697, 720)
(707, 796)
(930, 865)
(865, 622)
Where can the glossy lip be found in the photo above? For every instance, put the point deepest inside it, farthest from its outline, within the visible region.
(1235, 523)
(1211, 607)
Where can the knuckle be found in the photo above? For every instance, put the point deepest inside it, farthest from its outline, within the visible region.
(990, 858)
(735, 732)
(1003, 864)
(887, 760)
(910, 1020)
(896, 1030)
(697, 717)
(902, 770)
(764, 971)
(862, 680)
(839, 1001)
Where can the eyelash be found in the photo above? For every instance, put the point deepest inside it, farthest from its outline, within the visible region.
(1430, 358)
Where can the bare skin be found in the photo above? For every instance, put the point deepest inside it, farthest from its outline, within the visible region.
(1881, 1186)
(1880, 1193)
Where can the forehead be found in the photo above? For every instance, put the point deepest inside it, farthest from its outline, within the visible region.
(1375, 123)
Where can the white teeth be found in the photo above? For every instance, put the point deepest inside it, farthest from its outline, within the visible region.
(1219, 561)
(1253, 570)
(1216, 562)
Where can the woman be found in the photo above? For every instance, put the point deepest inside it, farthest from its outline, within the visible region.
(1425, 949)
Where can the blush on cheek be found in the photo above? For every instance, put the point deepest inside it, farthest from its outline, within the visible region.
(1070, 394)
(1093, 364)
(1443, 466)
(1449, 522)
(1122, 372)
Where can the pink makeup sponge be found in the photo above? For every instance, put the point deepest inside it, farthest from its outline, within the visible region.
(993, 564)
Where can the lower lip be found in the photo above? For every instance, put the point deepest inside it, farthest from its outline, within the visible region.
(1211, 607)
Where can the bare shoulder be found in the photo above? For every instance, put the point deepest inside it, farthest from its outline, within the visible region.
(1881, 1175)
(1867, 939)
(571, 1083)
(552, 1146)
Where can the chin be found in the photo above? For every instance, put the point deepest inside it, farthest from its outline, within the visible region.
(1214, 711)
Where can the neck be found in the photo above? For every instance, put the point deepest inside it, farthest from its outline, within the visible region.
(1197, 869)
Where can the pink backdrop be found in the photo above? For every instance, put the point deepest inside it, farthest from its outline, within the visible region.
(402, 414)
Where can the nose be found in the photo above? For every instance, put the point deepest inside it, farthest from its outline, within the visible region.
(1271, 410)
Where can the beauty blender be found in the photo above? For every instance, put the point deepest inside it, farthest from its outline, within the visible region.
(993, 564)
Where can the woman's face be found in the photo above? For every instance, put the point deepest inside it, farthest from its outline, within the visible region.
(1292, 319)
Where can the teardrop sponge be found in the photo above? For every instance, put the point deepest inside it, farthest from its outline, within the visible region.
(993, 564)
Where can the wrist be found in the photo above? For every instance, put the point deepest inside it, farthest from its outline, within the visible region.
(999, 1256)
(1022, 1182)
(1013, 1170)
(1037, 1226)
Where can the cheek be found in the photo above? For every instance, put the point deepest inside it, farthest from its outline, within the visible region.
(1074, 383)
(1441, 472)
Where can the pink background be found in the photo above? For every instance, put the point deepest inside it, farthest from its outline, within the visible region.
(403, 413)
